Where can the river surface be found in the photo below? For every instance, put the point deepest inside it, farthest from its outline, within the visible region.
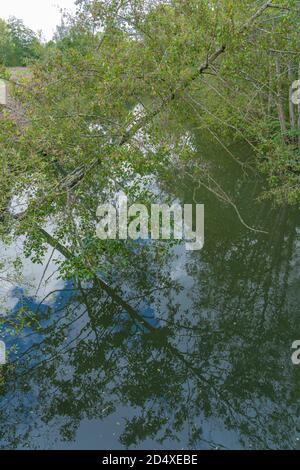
(214, 368)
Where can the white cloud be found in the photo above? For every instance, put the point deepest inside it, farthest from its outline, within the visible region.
(41, 15)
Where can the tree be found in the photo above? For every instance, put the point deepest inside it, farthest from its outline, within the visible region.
(18, 44)
(26, 43)
(82, 124)
(6, 43)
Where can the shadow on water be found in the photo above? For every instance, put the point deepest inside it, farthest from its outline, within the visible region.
(205, 361)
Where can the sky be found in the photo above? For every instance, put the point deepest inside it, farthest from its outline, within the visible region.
(38, 15)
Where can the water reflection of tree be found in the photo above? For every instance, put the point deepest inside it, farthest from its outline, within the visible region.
(226, 359)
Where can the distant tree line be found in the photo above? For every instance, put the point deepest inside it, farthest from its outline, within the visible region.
(18, 43)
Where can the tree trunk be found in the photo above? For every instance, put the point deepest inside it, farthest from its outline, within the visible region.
(280, 102)
(291, 104)
(270, 94)
(299, 112)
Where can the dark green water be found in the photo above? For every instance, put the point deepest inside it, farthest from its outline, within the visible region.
(214, 368)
